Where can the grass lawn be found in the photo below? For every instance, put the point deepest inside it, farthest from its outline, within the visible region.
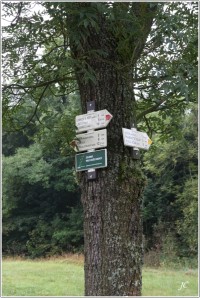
(64, 276)
(166, 282)
(53, 277)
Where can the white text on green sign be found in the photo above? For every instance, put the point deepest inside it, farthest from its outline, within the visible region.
(91, 160)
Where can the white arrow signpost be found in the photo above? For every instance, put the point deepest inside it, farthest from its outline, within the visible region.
(134, 138)
(91, 140)
(93, 120)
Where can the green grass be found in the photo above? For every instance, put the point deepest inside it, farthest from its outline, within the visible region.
(58, 277)
(65, 277)
(166, 282)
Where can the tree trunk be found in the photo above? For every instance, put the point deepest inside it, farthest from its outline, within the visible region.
(112, 203)
(113, 230)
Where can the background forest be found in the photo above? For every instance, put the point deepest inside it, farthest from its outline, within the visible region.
(42, 213)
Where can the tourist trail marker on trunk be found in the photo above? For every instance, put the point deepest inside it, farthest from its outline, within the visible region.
(91, 160)
(91, 140)
(93, 120)
(134, 138)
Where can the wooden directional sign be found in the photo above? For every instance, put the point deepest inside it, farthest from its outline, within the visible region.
(91, 140)
(93, 120)
(91, 160)
(134, 138)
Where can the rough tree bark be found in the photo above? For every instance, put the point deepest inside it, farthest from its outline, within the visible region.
(112, 203)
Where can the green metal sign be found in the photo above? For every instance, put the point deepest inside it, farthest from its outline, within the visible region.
(91, 160)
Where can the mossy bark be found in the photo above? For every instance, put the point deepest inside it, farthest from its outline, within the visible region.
(112, 203)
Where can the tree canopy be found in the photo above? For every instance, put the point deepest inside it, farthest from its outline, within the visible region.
(38, 63)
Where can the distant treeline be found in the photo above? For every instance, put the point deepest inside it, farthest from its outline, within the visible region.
(42, 212)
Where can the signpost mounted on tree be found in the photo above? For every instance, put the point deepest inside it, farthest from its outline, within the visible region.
(134, 138)
(94, 159)
(92, 120)
(91, 140)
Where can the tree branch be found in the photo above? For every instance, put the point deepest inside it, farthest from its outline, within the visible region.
(144, 78)
(42, 84)
(34, 113)
(151, 109)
